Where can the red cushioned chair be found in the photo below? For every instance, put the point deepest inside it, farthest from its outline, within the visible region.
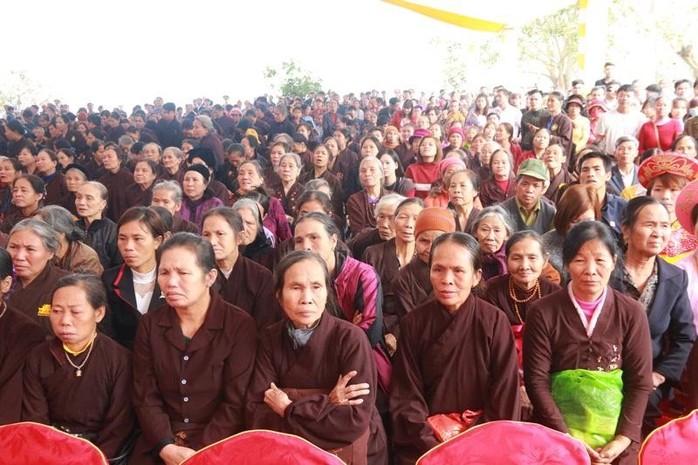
(675, 443)
(260, 447)
(35, 444)
(508, 443)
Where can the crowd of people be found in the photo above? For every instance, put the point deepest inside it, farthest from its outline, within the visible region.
(368, 273)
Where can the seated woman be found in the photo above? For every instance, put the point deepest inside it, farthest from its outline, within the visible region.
(116, 179)
(314, 374)
(288, 189)
(504, 136)
(426, 170)
(661, 290)
(664, 176)
(541, 141)
(438, 195)
(32, 246)
(492, 228)
(173, 164)
(502, 183)
(240, 281)
(560, 178)
(198, 197)
(442, 365)
(18, 336)
(255, 243)
(565, 361)
(144, 177)
(80, 381)
(463, 190)
(320, 170)
(578, 203)
(48, 170)
(28, 192)
(10, 169)
(361, 206)
(72, 254)
(394, 179)
(192, 360)
(91, 202)
(75, 176)
(132, 288)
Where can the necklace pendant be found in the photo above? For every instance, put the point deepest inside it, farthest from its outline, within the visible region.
(78, 373)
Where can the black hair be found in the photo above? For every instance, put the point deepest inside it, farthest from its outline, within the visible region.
(5, 264)
(520, 236)
(463, 240)
(88, 282)
(200, 247)
(586, 231)
(231, 217)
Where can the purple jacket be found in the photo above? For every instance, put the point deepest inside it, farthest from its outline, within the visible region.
(195, 213)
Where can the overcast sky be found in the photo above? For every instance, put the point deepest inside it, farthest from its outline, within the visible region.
(128, 51)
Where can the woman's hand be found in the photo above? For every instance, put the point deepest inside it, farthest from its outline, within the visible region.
(657, 379)
(174, 455)
(613, 449)
(391, 343)
(276, 399)
(526, 405)
(347, 395)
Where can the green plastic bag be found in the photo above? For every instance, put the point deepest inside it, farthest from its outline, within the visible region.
(590, 403)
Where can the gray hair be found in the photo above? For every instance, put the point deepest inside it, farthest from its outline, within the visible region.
(176, 150)
(156, 145)
(49, 237)
(496, 211)
(294, 157)
(252, 206)
(316, 184)
(99, 187)
(171, 186)
(205, 122)
(390, 200)
(61, 220)
(372, 160)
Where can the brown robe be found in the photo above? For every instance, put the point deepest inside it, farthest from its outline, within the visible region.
(335, 348)
(558, 184)
(179, 224)
(447, 363)
(18, 336)
(383, 258)
(497, 293)
(117, 185)
(288, 200)
(555, 340)
(491, 194)
(195, 387)
(80, 257)
(361, 213)
(37, 295)
(335, 187)
(55, 189)
(358, 244)
(412, 287)
(250, 287)
(97, 404)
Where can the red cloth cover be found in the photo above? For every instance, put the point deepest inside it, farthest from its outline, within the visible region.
(672, 444)
(448, 425)
(36, 444)
(508, 443)
(260, 447)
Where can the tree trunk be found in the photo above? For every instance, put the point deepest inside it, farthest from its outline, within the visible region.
(688, 55)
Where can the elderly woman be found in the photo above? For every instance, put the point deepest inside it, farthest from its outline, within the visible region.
(288, 189)
(356, 285)
(438, 196)
(73, 253)
(144, 176)
(394, 179)
(412, 286)
(132, 288)
(463, 189)
(661, 289)
(90, 395)
(28, 193)
(10, 169)
(555, 159)
(32, 246)
(578, 203)
(441, 365)
(75, 176)
(192, 360)
(90, 203)
(361, 206)
(198, 197)
(240, 281)
(204, 131)
(314, 375)
(256, 244)
(664, 175)
(502, 183)
(116, 180)
(587, 354)
(172, 162)
(320, 169)
(18, 336)
(492, 228)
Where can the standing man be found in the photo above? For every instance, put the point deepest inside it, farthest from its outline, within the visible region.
(533, 119)
(508, 113)
(168, 130)
(623, 121)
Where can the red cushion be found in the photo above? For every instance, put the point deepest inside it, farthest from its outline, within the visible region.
(675, 443)
(508, 442)
(35, 444)
(259, 447)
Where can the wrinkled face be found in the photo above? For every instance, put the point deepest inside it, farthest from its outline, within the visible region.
(501, 168)
(369, 149)
(151, 152)
(370, 174)
(88, 202)
(491, 233)
(137, 246)
(143, 175)
(385, 222)
(73, 180)
(554, 157)
(198, 130)
(541, 140)
(424, 242)
(249, 224)
(111, 160)
(405, 221)
(193, 185)
(311, 235)
(455, 140)
(304, 294)
(452, 275)
(626, 153)
(525, 262)
(222, 237)
(170, 160)
(275, 154)
(8, 174)
(650, 232)
(406, 132)
(288, 169)
(181, 279)
(248, 178)
(686, 147)
(392, 137)
(24, 195)
(590, 269)
(29, 254)
(321, 157)
(529, 190)
(73, 319)
(44, 163)
(486, 153)
(166, 199)
(461, 191)
(594, 173)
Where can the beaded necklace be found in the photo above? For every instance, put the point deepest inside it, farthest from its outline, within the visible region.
(535, 292)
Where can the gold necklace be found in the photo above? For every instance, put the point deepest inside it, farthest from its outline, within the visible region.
(78, 368)
(535, 292)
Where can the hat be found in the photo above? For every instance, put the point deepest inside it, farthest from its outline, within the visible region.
(205, 154)
(16, 126)
(597, 102)
(685, 204)
(434, 219)
(202, 170)
(169, 106)
(300, 139)
(456, 130)
(574, 99)
(79, 167)
(419, 134)
(663, 163)
(450, 161)
(533, 168)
